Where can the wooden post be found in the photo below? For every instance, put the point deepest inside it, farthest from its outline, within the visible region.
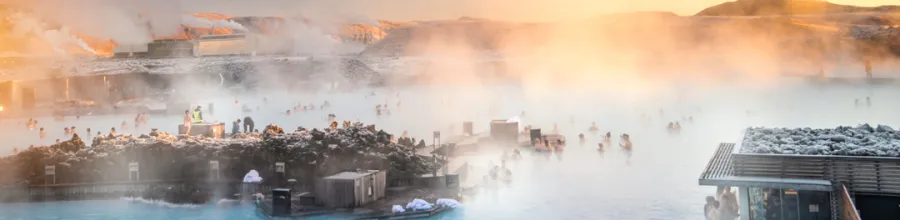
(279, 173)
(134, 173)
(214, 169)
(744, 202)
(50, 174)
(437, 140)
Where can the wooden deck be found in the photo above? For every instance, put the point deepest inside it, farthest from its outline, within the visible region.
(720, 164)
(861, 174)
(721, 171)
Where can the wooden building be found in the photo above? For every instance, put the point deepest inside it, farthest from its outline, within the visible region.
(818, 187)
(231, 44)
(351, 189)
(505, 131)
(131, 51)
(170, 48)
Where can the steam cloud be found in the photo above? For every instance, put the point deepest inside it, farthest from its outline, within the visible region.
(59, 39)
(194, 21)
(125, 21)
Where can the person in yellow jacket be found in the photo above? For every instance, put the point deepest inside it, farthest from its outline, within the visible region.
(198, 116)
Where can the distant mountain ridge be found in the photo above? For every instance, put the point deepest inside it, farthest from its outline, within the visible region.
(788, 7)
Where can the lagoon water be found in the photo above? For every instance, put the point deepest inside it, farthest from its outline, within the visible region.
(657, 181)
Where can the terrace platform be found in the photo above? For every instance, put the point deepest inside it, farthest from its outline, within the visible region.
(721, 172)
(213, 130)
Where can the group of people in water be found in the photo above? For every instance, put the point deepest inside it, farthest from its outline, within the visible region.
(300, 107)
(674, 127)
(32, 124)
(868, 102)
(624, 142)
(501, 173)
(722, 206)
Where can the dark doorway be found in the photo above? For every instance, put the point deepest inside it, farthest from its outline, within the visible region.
(878, 207)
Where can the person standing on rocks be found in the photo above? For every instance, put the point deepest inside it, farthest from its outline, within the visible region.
(187, 122)
(198, 115)
(248, 124)
(236, 127)
(868, 69)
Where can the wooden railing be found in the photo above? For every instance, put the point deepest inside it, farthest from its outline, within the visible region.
(848, 208)
(860, 174)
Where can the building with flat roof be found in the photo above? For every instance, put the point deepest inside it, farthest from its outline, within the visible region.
(351, 189)
(795, 186)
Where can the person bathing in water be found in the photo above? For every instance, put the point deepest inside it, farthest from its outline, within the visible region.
(593, 128)
(625, 142)
(674, 127)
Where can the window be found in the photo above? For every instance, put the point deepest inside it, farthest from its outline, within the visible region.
(813, 208)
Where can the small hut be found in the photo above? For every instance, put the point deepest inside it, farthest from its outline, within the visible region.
(505, 130)
(351, 189)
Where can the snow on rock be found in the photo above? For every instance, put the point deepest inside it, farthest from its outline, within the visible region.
(862, 140)
(448, 203)
(252, 177)
(419, 204)
(397, 209)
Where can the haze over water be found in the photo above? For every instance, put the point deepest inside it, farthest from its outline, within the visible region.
(658, 181)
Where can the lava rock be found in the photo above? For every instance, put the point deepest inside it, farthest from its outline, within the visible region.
(862, 140)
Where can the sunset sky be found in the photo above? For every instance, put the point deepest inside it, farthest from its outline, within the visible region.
(518, 10)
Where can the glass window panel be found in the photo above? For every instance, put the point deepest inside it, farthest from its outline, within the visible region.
(773, 204)
(790, 207)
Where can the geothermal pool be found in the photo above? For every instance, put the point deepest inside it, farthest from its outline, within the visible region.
(658, 180)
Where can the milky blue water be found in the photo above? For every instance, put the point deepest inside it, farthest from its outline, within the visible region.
(133, 210)
(657, 181)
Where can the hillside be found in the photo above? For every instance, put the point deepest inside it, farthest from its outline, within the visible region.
(788, 7)
(642, 40)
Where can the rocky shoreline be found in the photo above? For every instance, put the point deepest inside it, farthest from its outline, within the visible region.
(308, 155)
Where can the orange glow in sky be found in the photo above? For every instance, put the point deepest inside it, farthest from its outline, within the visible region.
(511, 10)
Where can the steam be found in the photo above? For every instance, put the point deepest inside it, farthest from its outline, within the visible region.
(59, 39)
(311, 40)
(123, 21)
(193, 21)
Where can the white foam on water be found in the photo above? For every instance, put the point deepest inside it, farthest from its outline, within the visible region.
(160, 203)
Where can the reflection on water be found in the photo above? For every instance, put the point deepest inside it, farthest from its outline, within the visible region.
(655, 179)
